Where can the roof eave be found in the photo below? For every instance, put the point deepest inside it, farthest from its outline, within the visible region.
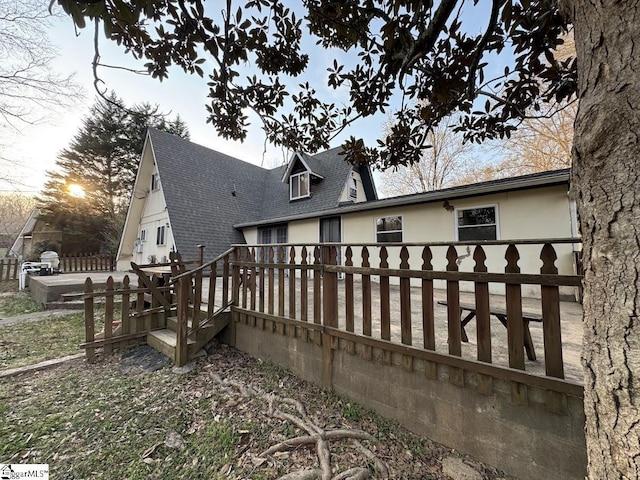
(526, 182)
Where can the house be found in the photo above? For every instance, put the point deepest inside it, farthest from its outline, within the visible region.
(35, 232)
(186, 195)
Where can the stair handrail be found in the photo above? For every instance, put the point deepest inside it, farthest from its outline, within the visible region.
(202, 267)
(183, 286)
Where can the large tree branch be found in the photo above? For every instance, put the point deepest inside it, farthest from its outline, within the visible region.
(482, 44)
(427, 39)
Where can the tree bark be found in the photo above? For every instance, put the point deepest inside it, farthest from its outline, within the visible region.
(606, 186)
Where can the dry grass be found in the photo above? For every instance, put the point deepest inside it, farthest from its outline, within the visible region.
(93, 421)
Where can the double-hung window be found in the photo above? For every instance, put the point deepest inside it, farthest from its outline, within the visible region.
(299, 185)
(389, 229)
(478, 223)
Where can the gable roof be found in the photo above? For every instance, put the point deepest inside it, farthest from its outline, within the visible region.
(207, 193)
(304, 160)
(27, 230)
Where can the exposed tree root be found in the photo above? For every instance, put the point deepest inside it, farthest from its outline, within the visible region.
(291, 410)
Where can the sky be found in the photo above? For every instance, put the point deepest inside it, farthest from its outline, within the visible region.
(35, 147)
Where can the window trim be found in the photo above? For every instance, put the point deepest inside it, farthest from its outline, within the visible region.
(473, 207)
(375, 229)
(296, 177)
(161, 239)
(155, 182)
(353, 188)
(143, 234)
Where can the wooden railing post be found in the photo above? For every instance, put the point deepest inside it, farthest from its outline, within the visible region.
(330, 288)
(385, 303)
(197, 299)
(89, 322)
(515, 327)
(125, 321)
(515, 330)
(200, 255)
(15, 269)
(406, 333)
(213, 278)
(550, 294)
(225, 281)
(317, 294)
(483, 320)
(366, 303)
(428, 319)
(108, 315)
(292, 289)
(304, 293)
(348, 299)
(456, 375)
(235, 279)
(181, 352)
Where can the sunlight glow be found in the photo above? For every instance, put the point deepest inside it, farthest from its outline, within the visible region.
(76, 190)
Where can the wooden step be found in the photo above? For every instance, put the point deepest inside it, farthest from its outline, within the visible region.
(165, 341)
(69, 297)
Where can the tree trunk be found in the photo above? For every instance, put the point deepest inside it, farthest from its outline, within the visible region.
(607, 189)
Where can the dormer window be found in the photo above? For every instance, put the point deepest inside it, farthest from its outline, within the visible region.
(299, 185)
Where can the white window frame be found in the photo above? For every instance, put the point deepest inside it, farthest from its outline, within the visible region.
(155, 182)
(353, 188)
(474, 207)
(143, 235)
(161, 235)
(294, 179)
(376, 233)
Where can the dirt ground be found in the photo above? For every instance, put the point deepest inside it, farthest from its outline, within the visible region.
(225, 416)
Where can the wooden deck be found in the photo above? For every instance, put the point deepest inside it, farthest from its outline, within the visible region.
(571, 319)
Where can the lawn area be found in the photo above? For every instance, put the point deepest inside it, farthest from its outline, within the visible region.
(32, 342)
(215, 422)
(41, 336)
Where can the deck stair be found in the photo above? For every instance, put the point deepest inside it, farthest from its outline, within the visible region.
(165, 340)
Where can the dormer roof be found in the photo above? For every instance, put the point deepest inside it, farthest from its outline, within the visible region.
(303, 159)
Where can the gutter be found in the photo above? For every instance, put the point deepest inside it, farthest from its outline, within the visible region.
(525, 182)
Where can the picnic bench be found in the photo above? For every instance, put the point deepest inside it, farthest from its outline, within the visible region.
(500, 314)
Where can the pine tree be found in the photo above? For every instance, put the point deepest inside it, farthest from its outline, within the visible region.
(86, 196)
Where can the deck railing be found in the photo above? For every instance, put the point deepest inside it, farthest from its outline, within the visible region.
(129, 314)
(87, 262)
(318, 289)
(9, 269)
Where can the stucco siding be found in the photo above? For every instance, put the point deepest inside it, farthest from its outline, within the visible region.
(525, 214)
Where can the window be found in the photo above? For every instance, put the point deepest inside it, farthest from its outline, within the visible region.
(143, 235)
(353, 189)
(389, 229)
(160, 240)
(299, 185)
(479, 223)
(155, 182)
(273, 234)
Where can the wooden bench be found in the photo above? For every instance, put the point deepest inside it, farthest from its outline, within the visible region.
(500, 314)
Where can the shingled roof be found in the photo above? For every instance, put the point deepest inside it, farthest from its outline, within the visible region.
(207, 192)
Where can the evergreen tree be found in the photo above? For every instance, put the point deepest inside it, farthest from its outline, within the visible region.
(87, 195)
